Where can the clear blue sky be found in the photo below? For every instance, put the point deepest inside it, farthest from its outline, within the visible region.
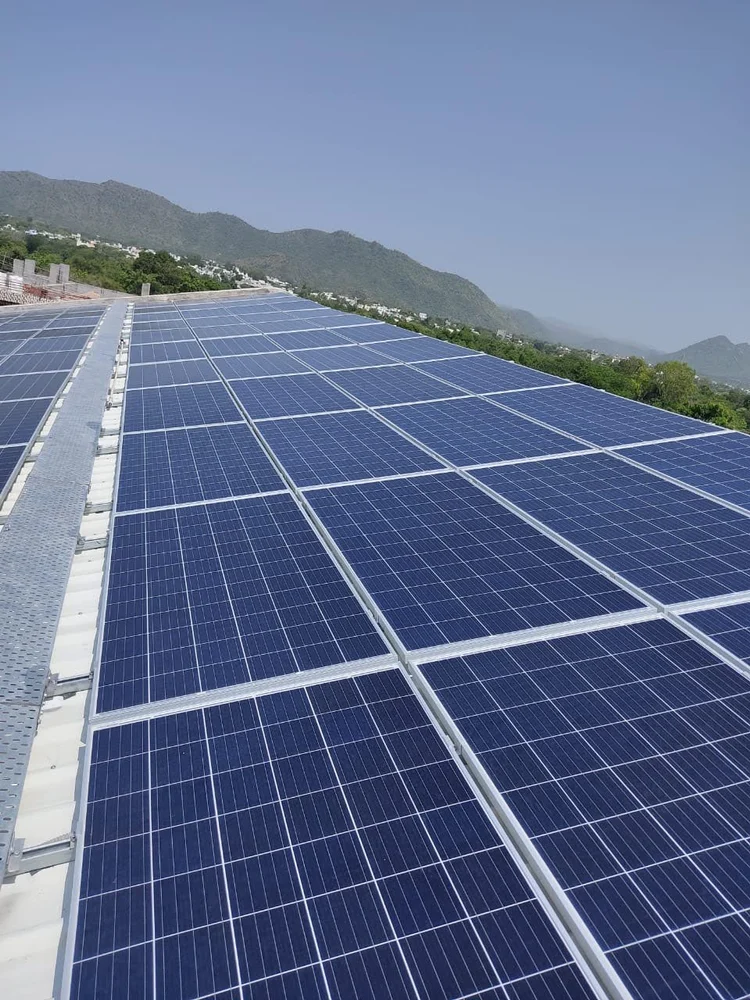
(586, 160)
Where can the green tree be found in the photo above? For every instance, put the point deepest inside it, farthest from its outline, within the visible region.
(634, 368)
(33, 243)
(671, 384)
(717, 411)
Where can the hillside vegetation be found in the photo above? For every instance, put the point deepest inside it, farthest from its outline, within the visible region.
(110, 268)
(339, 261)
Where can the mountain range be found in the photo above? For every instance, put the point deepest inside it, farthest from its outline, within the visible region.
(717, 358)
(338, 262)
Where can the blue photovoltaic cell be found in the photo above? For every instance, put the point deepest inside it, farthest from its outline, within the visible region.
(290, 396)
(170, 373)
(47, 344)
(20, 420)
(9, 458)
(9, 346)
(318, 844)
(375, 333)
(31, 386)
(483, 373)
(340, 447)
(718, 464)
(471, 431)
(675, 545)
(182, 350)
(445, 562)
(729, 625)
(424, 349)
(211, 330)
(164, 321)
(179, 406)
(66, 321)
(215, 321)
(255, 365)
(161, 336)
(206, 596)
(184, 466)
(624, 754)
(284, 325)
(338, 358)
(395, 384)
(21, 327)
(336, 319)
(602, 418)
(307, 338)
(55, 361)
(227, 347)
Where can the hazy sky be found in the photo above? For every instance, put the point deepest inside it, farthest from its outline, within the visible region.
(584, 159)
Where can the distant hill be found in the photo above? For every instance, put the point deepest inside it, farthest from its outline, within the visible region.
(717, 358)
(592, 341)
(338, 262)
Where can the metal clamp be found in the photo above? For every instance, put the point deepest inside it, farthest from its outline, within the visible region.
(23, 860)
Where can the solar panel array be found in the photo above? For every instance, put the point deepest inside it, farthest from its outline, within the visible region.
(38, 350)
(624, 755)
(304, 497)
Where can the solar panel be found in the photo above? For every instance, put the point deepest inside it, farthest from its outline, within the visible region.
(88, 318)
(675, 545)
(9, 346)
(718, 464)
(219, 326)
(9, 459)
(161, 336)
(170, 373)
(47, 344)
(202, 597)
(185, 466)
(339, 358)
(299, 309)
(307, 338)
(182, 350)
(164, 321)
(446, 563)
(248, 313)
(340, 447)
(31, 386)
(227, 347)
(227, 331)
(424, 349)
(470, 431)
(255, 365)
(394, 384)
(179, 406)
(485, 374)
(27, 327)
(338, 319)
(290, 396)
(55, 333)
(284, 325)
(728, 625)
(602, 418)
(19, 420)
(319, 843)
(55, 361)
(373, 333)
(623, 754)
